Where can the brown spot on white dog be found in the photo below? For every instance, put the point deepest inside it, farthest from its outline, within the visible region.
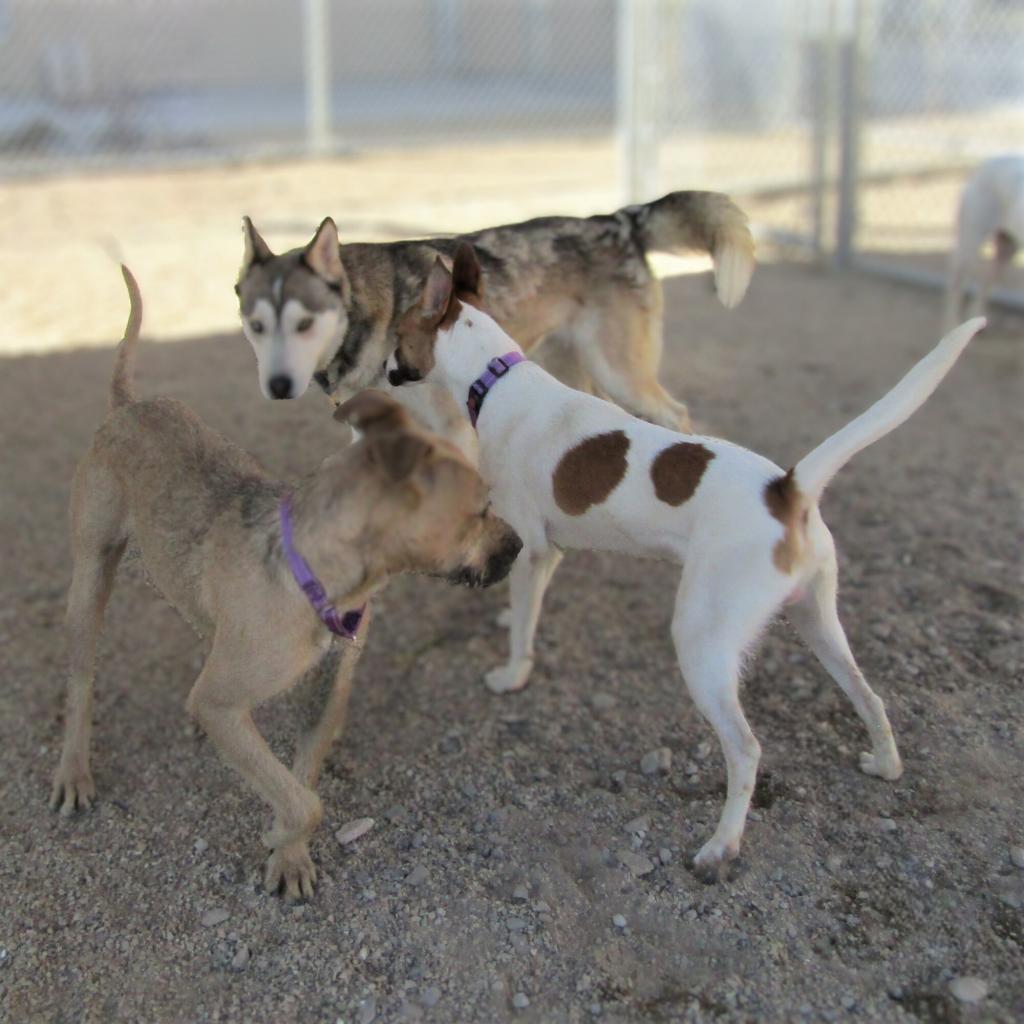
(587, 473)
(784, 501)
(677, 471)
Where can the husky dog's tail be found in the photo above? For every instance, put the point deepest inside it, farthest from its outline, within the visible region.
(709, 221)
(813, 472)
(121, 391)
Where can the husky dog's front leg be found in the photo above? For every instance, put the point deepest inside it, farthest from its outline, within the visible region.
(527, 582)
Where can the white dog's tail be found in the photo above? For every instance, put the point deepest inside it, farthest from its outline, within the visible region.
(813, 472)
(121, 390)
(708, 221)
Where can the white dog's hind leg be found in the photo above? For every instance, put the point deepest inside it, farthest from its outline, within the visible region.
(527, 582)
(817, 621)
(710, 635)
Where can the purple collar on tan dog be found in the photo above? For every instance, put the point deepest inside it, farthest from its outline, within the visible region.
(496, 369)
(343, 624)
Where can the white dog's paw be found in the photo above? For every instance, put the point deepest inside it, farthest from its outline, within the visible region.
(712, 861)
(504, 619)
(888, 767)
(510, 677)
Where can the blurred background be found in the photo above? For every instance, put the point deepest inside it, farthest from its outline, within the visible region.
(143, 129)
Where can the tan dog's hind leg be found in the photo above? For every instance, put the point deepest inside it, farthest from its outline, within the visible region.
(98, 542)
(620, 344)
(290, 869)
(235, 678)
(816, 619)
(528, 580)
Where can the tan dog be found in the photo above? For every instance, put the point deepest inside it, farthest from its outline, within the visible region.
(208, 523)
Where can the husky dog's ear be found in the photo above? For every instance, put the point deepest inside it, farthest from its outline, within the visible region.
(437, 292)
(256, 250)
(371, 410)
(322, 255)
(466, 271)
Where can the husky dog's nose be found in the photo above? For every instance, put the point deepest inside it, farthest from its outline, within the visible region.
(280, 386)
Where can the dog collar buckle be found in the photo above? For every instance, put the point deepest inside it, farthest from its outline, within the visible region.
(496, 369)
(344, 624)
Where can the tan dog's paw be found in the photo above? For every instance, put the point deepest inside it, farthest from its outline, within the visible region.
(73, 790)
(509, 678)
(882, 767)
(291, 872)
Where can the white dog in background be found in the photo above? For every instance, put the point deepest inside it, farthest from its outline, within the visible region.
(991, 206)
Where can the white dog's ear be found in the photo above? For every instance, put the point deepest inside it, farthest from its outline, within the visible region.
(437, 292)
(256, 250)
(323, 255)
(466, 272)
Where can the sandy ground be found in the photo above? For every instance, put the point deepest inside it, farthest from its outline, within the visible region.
(494, 870)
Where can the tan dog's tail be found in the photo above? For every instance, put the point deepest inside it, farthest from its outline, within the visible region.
(121, 390)
(813, 472)
(708, 221)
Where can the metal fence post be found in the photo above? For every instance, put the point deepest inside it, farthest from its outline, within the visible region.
(822, 57)
(850, 110)
(636, 69)
(317, 67)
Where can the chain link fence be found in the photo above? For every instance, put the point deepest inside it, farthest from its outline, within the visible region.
(845, 127)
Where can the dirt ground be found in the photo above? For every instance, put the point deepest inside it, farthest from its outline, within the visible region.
(494, 874)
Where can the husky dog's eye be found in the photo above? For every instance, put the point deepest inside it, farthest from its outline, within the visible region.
(256, 326)
(304, 324)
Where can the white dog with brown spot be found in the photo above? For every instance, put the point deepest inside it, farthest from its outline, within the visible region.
(568, 470)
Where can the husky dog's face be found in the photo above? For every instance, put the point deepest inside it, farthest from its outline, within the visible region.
(292, 308)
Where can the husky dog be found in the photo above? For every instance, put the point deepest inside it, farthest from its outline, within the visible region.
(991, 206)
(328, 312)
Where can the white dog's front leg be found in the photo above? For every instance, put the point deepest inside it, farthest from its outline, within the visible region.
(527, 582)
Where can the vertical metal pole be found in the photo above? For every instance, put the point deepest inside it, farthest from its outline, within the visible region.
(317, 47)
(822, 56)
(636, 79)
(850, 110)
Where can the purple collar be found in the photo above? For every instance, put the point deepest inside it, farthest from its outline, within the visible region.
(347, 624)
(496, 369)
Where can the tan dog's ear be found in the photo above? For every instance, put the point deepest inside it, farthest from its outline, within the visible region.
(466, 271)
(372, 409)
(437, 292)
(322, 255)
(256, 250)
(398, 454)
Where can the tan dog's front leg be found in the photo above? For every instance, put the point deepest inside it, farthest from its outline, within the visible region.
(290, 869)
(221, 702)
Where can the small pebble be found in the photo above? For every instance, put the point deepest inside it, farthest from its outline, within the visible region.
(5, 957)
(968, 989)
(430, 996)
(367, 1010)
(665, 855)
(602, 701)
(639, 826)
(619, 921)
(619, 779)
(212, 918)
(417, 876)
(886, 825)
(515, 924)
(520, 894)
(241, 958)
(657, 762)
(520, 1000)
(637, 863)
(200, 845)
(542, 907)
(352, 830)
(1017, 856)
